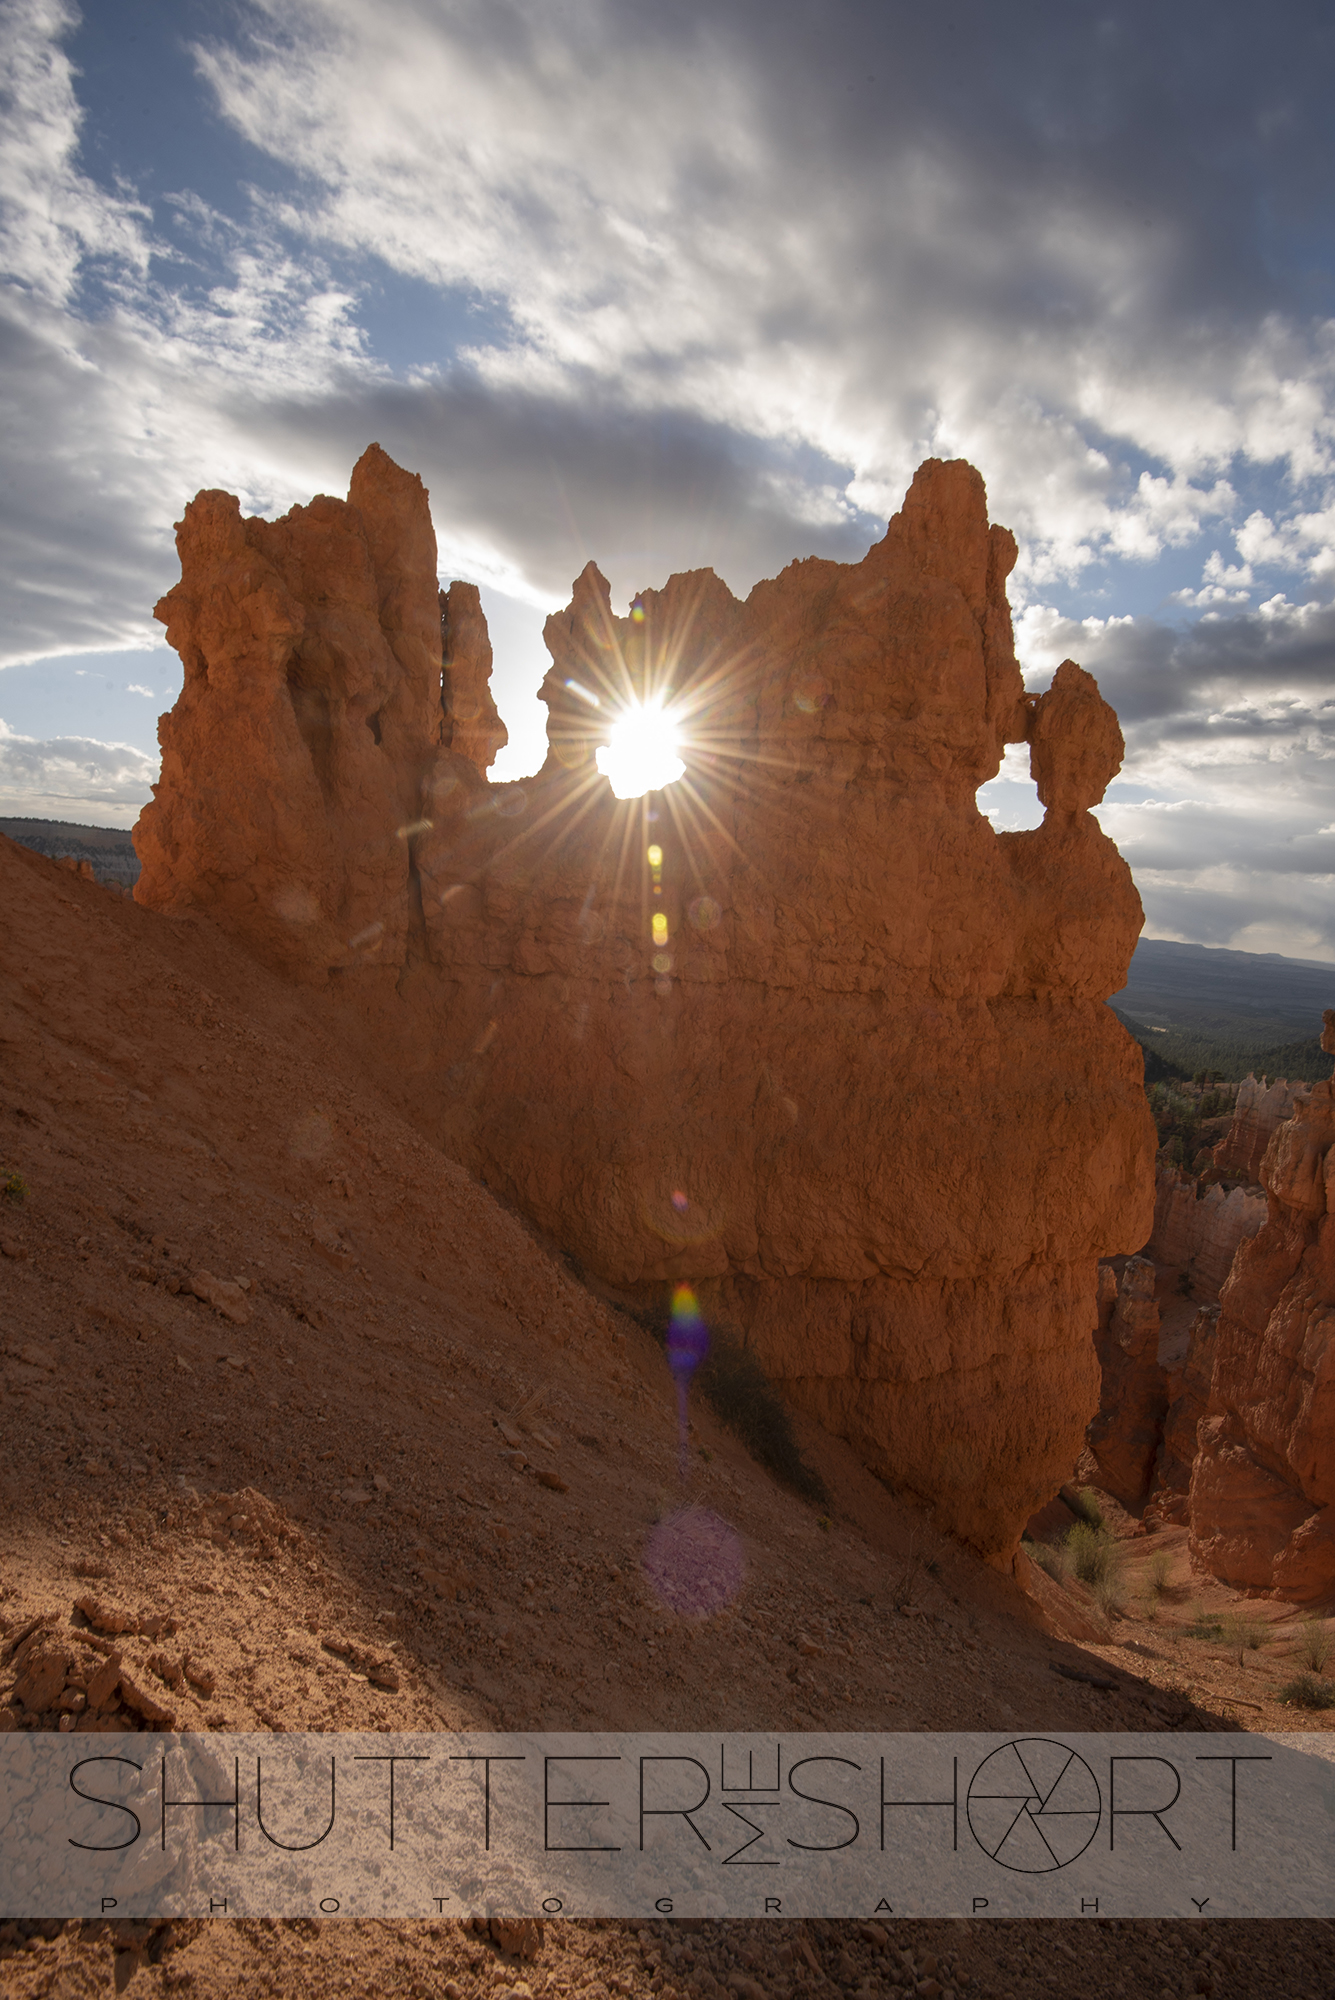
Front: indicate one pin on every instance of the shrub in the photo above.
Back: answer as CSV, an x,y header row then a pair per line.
x,y
1160,1564
1094,1553
1307,1691
1108,1593
1086,1504
1242,1633
13,1187
1313,1647
1204,1625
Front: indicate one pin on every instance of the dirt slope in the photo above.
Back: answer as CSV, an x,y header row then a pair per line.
x,y
396,1467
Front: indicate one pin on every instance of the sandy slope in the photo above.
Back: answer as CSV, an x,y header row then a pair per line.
x,y
443,1457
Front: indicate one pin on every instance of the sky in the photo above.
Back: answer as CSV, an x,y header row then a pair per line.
x,y
668,283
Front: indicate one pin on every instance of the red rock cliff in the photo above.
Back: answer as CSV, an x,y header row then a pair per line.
x,y
1263,1482
801,1028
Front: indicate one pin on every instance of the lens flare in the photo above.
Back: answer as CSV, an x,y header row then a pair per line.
x,y
694,1562
660,928
641,755
688,1336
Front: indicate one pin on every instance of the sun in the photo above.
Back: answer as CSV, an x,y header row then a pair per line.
x,y
642,754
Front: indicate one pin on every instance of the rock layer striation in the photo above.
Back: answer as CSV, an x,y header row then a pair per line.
x,y
802,1029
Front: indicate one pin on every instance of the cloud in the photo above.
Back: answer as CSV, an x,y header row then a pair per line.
x,y
871,242
717,280
53,218
73,777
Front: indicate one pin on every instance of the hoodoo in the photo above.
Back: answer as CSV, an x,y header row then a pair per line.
x,y
800,1028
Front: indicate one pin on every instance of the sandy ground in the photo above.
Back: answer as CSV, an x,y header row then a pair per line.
x,y
303,1431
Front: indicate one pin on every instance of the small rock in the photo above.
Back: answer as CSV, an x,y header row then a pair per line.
x,y
384,1677
11,1247
520,1935
448,1583
552,1480
874,1934
928,1989
221,1293
201,1678
143,1703
357,1496
104,1683
380,1483
808,1647
104,1617
334,1252
509,1433
45,1665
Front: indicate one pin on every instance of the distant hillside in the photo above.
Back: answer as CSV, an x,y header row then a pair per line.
x,y
108,848
1194,1007
1169,1055
1226,995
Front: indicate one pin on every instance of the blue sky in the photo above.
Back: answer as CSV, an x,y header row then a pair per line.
x,y
669,284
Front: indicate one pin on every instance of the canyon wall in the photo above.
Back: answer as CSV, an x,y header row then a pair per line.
x,y
1199,1228
1264,1476
1126,1432
801,1028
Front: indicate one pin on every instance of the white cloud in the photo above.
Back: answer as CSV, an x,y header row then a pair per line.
x,y
74,778
661,205
52,217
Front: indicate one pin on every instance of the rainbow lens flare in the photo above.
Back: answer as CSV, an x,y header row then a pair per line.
x,y
688,1336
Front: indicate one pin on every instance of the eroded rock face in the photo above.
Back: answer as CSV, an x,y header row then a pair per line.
x,y
1126,1433
801,1029
1264,1477
1189,1396
294,759
1258,1111
1199,1227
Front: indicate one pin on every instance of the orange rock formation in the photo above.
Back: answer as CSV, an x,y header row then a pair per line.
x,y
1258,1110
1126,1434
1264,1477
802,1029
1198,1227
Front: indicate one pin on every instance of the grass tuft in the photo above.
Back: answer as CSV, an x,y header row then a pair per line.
x,y
1308,1691
1242,1633
1094,1554
1313,1646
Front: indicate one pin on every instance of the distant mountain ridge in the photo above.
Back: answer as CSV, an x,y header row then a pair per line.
x,y
1196,1007
108,849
